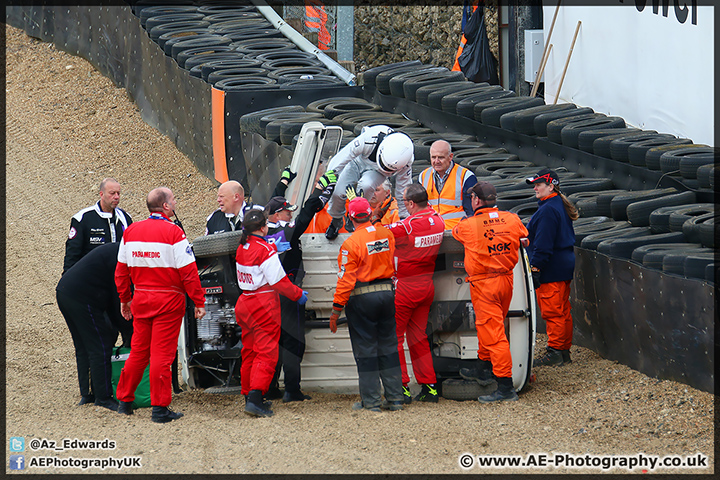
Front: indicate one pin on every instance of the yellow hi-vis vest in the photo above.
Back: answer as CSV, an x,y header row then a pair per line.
x,y
448,202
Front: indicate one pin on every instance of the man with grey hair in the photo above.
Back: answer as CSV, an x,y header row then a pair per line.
x,y
97,225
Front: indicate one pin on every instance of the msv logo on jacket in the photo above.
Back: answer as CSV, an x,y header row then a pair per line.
x,y
378,246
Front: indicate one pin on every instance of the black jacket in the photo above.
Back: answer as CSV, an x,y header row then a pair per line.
x,y
218,222
90,228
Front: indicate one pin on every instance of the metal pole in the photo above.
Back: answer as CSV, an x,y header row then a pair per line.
x,y
345,32
303,43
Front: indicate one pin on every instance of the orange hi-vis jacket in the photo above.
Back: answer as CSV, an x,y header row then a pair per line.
x,y
447,202
316,21
463,41
321,221
492,240
365,256
389,210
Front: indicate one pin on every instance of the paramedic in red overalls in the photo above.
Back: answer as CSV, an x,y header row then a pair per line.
x,y
417,242
157,258
260,277
491,239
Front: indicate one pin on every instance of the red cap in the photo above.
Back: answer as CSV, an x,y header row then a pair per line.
x,y
359,207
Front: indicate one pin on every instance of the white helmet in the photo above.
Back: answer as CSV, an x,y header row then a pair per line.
x,y
395,152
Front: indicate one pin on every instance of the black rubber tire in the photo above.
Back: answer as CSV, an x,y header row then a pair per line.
x,y
638,213
513,198
382,82
521,121
217,244
438,90
680,216
619,147
394,123
217,65
369,76
593,225
476,163
332,110
655,258
488,168
587,207
621,230
212,57
636,151
541,121
574,185
279,55
447,102
157,20
258,46
153,11
623,247
711,272
660,218
176,31
349,120
239,84
422,143
675,262
222,390
411,86
279,72
691,161
292,62
461,155
701,229
273,121
619,203
652,156
289,129
516,172
186,55
461,390
466,107
505,184
168,39
250,122
317,81
397,82
601,146
695,265
524,210
642,252
587,137
570,133
237,72
704,173
318,106
554,129
209,41
479,107
240,35
491,116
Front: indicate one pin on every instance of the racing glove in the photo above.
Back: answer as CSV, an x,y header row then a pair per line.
x,y
328,178
327,193
350,193
303,298
535,276
288,175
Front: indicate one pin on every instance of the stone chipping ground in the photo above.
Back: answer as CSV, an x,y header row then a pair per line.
x,y
67,127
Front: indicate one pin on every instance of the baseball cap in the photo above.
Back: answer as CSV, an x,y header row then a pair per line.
x,y
484,191
359,207
278,204
545,175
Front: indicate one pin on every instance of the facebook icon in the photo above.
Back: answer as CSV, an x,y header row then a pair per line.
x,y
17,462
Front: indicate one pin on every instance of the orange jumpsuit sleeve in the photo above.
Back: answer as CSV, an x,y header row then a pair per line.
x,y
348,264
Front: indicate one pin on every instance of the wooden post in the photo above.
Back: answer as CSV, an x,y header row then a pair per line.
x,y
567,62
546,52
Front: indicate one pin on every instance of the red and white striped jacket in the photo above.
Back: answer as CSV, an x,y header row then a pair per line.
x,y
417,242
157,258
259,269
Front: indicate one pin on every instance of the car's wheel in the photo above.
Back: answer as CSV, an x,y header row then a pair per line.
x,y
217,244
461,389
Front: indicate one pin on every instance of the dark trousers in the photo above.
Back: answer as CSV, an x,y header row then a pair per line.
x,y
371,321
292,342
93,337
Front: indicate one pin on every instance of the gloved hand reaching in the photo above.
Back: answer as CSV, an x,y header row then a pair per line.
x,y
350,193
328,178
288,175
303,298
535,276
333,320
282,246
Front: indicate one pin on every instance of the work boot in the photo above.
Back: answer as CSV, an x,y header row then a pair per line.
x,y
566,356
407,395
393,405
255,407
349,226
428,393
164,415
125,408
109,403
294,396
86,399
266,403
333,229
359,406
504,392
551,357
481,373
273,393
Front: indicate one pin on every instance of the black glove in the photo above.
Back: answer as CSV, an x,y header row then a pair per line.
x,y
535,276
327,193
288,175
